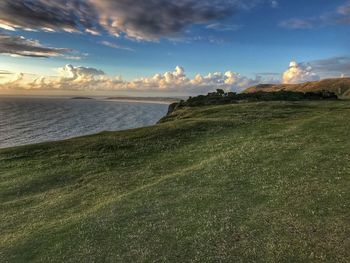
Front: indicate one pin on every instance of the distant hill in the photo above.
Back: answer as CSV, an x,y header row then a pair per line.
x,y
146,99
340,86
82,98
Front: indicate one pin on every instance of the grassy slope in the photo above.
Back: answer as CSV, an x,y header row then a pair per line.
x,y
236,183
340,86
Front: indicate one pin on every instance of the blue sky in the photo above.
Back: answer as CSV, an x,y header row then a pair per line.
x,y
249,40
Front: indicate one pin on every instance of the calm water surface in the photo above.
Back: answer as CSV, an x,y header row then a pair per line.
x,y
33,120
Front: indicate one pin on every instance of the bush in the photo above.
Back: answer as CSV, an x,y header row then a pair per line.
x,y
220,97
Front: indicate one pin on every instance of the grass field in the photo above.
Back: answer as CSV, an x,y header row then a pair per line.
x,y
251,182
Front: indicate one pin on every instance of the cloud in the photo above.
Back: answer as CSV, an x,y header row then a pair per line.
x,y
20,46
274,3
47,15
74,57
90,79
296,23
178,81
344,9
15,83
80,78
298,73
223,27
71,72
115,46
332,67
316,69
5,72
152,20
143,20
336,17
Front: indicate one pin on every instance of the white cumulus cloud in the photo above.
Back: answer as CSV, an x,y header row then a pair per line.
x,y
299,73
71,72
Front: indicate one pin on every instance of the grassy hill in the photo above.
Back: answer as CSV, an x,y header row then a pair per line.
x,y
250,182
340,86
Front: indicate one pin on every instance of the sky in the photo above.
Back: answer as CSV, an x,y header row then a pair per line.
x,y
165,47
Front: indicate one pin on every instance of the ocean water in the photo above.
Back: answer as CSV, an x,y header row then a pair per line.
x,y
34,120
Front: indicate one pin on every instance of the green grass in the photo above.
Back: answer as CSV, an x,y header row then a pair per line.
x,y
252,182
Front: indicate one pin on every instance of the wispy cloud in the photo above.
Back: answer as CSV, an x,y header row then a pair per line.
x,y
116,46
20,46
335,17
223,27
344,9
297,23
76,55
274,3
5,72
332,67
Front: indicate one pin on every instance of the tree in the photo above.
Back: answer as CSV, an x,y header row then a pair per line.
x,y
220,92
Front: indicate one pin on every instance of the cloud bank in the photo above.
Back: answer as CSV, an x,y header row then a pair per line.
x,y
78,78
143,20
90,79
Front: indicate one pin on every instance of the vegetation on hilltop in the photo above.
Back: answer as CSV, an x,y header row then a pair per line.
x,y
249,182
339,86
221,97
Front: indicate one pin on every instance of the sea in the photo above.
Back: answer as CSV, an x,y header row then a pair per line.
x,y
26,120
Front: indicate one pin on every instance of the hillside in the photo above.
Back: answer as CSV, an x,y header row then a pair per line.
x,y
340,86
248,182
